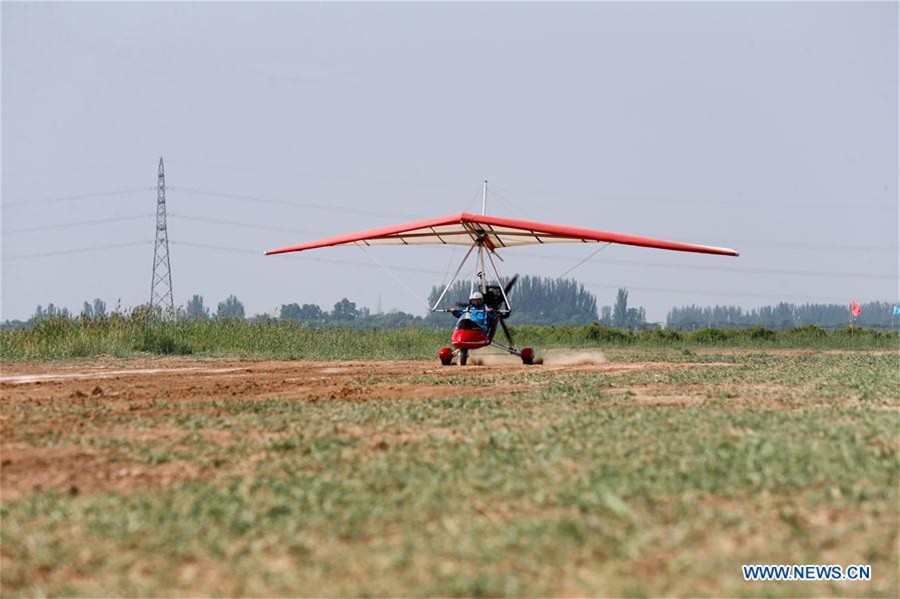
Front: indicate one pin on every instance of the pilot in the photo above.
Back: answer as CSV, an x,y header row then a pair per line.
x,y
477,311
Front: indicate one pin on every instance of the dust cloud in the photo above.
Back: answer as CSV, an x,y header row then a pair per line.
x,y
550,357
573,357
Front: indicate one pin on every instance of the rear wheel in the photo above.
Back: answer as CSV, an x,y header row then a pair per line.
x,y
527,356
463,357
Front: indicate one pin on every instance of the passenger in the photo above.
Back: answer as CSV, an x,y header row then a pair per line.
x,y
477,311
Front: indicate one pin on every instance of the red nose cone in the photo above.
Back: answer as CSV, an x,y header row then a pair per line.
x,y
527,353
469,339
445,353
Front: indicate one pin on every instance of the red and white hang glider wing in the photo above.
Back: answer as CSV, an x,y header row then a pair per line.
x,y
465,229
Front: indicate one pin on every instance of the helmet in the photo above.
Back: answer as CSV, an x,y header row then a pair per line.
x,y
476,295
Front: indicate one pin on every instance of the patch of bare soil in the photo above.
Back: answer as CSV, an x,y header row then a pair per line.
x,y
74,470
127,387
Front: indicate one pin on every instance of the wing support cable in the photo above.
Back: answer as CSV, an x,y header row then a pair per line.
x,y
393,275
594,253
453,278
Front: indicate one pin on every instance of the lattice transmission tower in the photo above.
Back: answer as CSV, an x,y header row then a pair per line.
x,y
161,285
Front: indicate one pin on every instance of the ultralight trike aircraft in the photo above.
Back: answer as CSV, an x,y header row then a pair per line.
x,y
484,235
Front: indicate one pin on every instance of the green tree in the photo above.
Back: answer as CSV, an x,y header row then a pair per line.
x,y
620,308
50,311
310,313
195,310
95,309
99,308
606,315
344,310
230,308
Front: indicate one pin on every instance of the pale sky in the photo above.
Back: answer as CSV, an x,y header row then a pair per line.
x,y
770,128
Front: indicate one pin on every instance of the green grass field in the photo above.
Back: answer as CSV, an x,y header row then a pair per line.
x,y
644,481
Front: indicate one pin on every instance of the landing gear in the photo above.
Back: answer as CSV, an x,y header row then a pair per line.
x,y
446,356
527,355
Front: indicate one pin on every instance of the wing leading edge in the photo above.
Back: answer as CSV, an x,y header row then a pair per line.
x,y
465,228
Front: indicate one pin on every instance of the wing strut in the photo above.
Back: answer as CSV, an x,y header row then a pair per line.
x,y
502,290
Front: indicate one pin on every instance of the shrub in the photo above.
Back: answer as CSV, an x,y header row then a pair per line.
x,y
807,331
604,334
857,332
709,336
156,341
660,336
761,334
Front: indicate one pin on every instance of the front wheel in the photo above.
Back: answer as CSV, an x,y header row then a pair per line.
x,y
446,356
463,357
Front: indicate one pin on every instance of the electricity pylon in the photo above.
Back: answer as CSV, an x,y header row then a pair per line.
x,y
161,284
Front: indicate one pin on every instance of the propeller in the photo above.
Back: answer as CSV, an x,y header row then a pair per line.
x,y
510,284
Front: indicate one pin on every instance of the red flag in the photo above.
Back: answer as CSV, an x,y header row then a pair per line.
x,y
855,310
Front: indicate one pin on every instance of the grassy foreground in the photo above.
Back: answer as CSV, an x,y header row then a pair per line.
x,y
128,335
657,481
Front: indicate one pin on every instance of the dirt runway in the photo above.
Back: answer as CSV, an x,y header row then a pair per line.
x,y
187,378
78,403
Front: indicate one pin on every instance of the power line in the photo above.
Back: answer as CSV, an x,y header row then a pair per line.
x,y
76,250
777,296
514,252
83,223
555,196
260,254
256,253
510,252
82,196
795,245
586,284
205,219
217,194
234,223
743,270
277,202
818,247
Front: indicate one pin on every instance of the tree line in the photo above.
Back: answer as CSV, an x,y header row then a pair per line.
x,y
536,300
780,316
